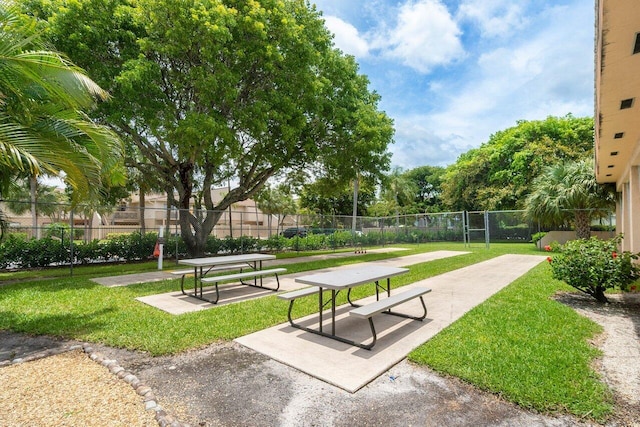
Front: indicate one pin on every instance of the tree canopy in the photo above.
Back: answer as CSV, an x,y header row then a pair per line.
x,y
427,181
327,197
216,90
498,175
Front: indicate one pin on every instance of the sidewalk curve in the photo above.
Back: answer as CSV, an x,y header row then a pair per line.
x,y
351,368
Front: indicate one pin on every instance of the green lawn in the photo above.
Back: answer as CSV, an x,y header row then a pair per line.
x,y
519,344
526,347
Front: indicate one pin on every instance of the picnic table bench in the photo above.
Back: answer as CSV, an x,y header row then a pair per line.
x,y
347,279
253,273
203,266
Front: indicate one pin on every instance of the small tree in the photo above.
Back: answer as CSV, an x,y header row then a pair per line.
x,y
278,200
592,266
569,192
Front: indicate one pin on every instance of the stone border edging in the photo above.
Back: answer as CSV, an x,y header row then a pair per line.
x,y
150,402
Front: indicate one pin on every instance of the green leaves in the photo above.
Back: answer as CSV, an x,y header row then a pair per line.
x,y
498,175
569,191
43,128
212,90
593,266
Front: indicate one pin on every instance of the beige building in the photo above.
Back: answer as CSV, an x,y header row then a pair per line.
x,y
243,218
617,110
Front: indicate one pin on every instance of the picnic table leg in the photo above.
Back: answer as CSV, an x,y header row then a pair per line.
x,y
195,281
333,312
320,306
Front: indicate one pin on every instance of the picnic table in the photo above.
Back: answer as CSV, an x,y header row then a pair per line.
x,y
203,267
347,279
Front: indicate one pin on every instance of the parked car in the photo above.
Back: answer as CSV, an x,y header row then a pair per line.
x,y
294,231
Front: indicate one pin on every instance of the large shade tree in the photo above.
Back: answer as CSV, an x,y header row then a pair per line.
x,y
215,90
43,126
498,175
568,193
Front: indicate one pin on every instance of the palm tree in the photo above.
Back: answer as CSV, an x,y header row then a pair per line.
x,y
43,128
569,192
398,191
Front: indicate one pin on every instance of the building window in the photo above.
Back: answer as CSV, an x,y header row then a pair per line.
x,y
626,103
636,46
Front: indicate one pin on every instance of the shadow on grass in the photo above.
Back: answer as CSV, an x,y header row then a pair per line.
x,y
67,325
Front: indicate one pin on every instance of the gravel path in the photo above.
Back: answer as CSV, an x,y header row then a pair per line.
x,y
49,382
68,389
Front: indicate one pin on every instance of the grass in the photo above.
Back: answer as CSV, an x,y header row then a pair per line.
x,y
519,344
526,347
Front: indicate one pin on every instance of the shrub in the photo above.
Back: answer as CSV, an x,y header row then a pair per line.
x,y
536,237
593,266
62,231
88,252
43,252
213,246
275,243
12,251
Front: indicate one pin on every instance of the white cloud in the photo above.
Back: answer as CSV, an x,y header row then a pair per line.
x,y
421,141
425,36
347,38
532,60
495,18
550,73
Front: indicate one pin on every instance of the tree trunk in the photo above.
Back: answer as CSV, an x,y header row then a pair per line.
x,y
195,233
582,221
599,294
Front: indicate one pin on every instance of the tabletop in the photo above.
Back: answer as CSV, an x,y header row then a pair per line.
x,y
228,259
347,278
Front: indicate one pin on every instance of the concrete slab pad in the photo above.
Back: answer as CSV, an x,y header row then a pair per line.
x,y
351,368
177,303
132,279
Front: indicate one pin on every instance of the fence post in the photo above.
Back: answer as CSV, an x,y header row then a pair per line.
x,y
160,246
71,244
487,237
465,228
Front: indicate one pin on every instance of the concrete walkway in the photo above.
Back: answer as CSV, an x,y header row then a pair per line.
x,y
177,303
351,368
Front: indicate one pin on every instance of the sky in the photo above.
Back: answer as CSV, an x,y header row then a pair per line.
x,y
453,72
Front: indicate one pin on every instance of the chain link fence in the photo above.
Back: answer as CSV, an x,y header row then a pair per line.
x,y
87,224
243,229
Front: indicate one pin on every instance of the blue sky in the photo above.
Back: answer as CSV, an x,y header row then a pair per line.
x,y
453,72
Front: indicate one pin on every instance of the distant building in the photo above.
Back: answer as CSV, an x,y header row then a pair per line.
x,y
242,218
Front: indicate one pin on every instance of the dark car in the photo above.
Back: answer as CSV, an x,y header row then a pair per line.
x,y
294,231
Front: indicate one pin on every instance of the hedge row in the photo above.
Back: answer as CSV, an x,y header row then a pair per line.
x,y
19,252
